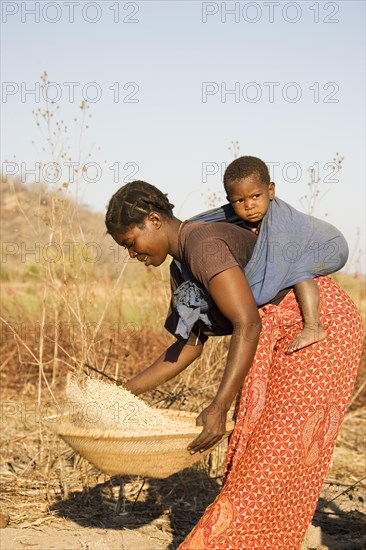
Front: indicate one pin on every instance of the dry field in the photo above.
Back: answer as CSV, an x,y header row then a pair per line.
x,y
60,315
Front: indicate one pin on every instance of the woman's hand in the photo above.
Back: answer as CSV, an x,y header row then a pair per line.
x,y
213,420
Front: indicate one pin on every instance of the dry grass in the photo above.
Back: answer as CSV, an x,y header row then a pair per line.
x,y
42,479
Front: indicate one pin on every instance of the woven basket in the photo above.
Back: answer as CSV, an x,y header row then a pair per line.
x,y
152,454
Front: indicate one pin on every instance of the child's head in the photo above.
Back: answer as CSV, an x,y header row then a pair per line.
x,y
136,219
249,188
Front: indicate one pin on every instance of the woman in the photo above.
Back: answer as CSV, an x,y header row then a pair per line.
x,y
291,406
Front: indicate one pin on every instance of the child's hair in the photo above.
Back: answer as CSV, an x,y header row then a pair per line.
x,y
243,167
130,205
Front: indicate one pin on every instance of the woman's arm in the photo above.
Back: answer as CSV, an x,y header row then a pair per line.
x,y
233,296
170,363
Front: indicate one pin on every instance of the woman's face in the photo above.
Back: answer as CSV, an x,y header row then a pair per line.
x,y
148,243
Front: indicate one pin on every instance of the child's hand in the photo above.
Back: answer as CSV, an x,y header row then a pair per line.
x,y
213,420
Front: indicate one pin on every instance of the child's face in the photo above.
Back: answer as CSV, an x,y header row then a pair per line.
x,y
250,197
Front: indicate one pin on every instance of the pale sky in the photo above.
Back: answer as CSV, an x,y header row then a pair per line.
x,y
172,84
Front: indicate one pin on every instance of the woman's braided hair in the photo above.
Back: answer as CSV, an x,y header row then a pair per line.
x,y
130,205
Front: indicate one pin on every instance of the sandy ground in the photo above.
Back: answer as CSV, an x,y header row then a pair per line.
x,y
66,535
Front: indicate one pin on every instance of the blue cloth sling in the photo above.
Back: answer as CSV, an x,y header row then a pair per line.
x,y
291,247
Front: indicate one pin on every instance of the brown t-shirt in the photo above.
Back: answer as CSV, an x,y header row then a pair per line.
x,y
208,248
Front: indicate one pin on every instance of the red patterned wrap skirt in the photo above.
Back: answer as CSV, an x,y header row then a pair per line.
x,y
288,418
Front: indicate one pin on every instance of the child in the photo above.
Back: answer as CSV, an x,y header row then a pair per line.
x,y
250,192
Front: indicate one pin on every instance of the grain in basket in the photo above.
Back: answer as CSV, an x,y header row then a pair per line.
x,y
102,405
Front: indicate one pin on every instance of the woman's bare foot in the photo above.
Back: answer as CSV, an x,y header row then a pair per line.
x,y
310,334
